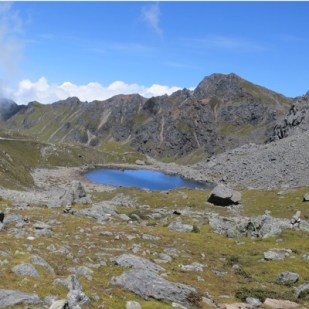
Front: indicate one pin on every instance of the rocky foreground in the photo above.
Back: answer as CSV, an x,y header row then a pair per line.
x,y
72,244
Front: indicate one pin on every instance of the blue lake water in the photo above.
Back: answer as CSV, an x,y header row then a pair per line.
x,y
143,179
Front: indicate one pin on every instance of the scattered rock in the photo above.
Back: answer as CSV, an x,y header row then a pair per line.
x,y
277,254
180,227
306,256
280,304
302,290
306,197
255,302
193,267
237,306
136,262
77,298
13,298
295,220
71,283
42,229
37,260
150,285
287,277
150,237
25,269
60,304
76,194
224,196
133,305
83,271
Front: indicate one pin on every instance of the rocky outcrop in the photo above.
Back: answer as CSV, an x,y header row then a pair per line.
x,y
295,122
255,227
221,195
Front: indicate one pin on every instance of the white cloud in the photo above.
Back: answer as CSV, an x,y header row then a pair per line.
x,y
44,92
151,15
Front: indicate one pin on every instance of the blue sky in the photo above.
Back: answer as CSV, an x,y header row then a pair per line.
x,y
55,49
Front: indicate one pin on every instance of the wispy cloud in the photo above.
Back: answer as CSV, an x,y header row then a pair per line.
x,y
180,65
151,15
44,92
11,44
226,43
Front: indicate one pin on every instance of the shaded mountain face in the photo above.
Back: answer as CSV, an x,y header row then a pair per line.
x,y
223,112
8,108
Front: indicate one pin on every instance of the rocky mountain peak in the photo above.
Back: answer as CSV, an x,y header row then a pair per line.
x,y
7,108
219,85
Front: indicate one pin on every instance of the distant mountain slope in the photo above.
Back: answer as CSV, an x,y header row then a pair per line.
x,y
223,112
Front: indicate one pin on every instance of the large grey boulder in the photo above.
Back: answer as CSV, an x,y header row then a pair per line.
x,y
13,298
136,262
149,285
180,227
25,269
287,277
224,196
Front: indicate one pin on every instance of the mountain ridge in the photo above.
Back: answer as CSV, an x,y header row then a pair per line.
x,y
221,113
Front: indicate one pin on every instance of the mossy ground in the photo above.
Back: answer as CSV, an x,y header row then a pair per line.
x,y
83,238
